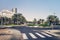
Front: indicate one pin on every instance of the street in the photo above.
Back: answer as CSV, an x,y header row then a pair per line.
x,y
28,33
31,33
29,19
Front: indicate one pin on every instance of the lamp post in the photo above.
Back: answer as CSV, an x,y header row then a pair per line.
x,y
53,22
17,18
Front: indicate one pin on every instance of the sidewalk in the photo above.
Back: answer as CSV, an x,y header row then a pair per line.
x,y
10,34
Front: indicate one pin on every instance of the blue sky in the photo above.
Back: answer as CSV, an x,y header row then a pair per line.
x,y
31,9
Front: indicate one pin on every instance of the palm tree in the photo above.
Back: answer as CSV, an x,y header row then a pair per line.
x,y
40,21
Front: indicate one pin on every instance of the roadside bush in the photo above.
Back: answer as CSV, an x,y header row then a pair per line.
x,y
31,24
44,25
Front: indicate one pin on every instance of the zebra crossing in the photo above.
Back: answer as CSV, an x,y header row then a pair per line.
x,y
46,34
33,35
24,36
40,35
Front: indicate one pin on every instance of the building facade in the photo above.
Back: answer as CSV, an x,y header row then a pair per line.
x,y
8,13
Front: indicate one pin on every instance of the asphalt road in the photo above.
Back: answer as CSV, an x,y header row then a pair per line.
x,y
30,33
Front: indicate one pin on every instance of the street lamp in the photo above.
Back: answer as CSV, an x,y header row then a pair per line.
x,y
17,18
53,22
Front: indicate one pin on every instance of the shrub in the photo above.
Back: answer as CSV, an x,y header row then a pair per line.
x,y
31,24
44,25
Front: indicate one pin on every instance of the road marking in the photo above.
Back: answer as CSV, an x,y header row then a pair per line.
x,y
32,35
51,33
46,34
40,35
24,36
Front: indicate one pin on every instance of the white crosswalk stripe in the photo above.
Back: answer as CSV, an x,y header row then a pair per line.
x,y
32,35
46,34
52,33
40,35
24,36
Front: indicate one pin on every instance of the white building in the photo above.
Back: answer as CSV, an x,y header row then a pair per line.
x,y
7,13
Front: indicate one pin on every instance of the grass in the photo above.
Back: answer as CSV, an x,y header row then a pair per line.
x,y
31,25
11,25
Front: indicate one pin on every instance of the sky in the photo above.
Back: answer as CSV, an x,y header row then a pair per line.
x,y
39,9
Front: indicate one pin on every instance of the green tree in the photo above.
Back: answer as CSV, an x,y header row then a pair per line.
x,y
4,20
18,18
40,21
34,21
52,19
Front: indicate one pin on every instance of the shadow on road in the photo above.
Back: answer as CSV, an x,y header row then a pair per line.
x,y
26,30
